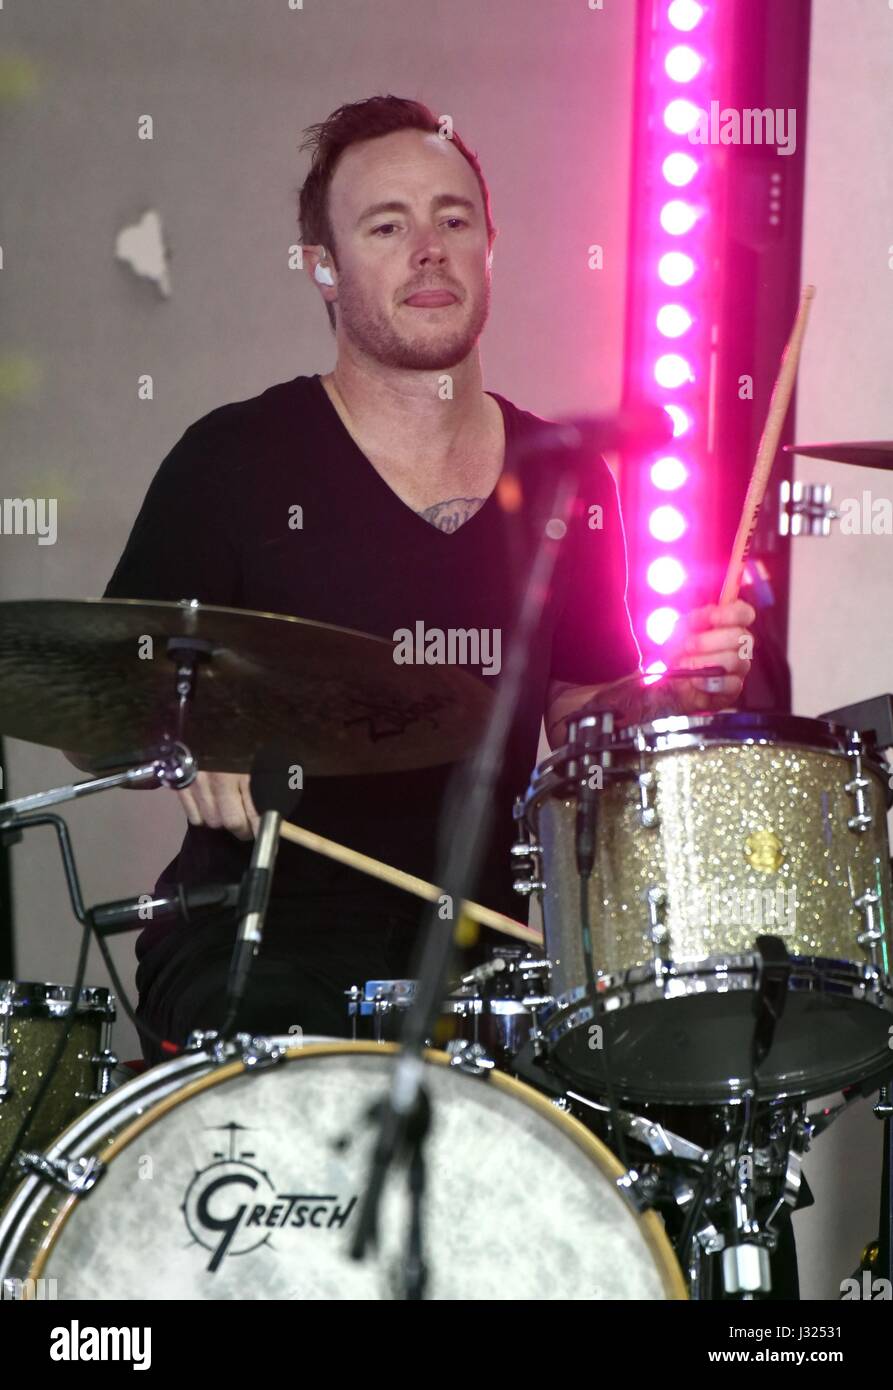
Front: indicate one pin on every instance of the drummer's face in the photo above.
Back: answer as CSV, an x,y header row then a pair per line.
x,y
430,234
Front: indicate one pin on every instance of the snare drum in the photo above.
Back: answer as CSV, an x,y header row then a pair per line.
x,y
32,1017
711,832
498,1015
230,1181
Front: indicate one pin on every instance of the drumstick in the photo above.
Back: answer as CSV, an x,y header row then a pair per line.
x,y
487,917
759,478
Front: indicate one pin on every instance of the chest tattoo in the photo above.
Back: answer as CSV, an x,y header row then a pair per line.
x,y
450,515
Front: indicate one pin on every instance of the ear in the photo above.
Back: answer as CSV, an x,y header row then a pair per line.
x,y
315,257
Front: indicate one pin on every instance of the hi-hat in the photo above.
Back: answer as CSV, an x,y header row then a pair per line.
x,y
94,677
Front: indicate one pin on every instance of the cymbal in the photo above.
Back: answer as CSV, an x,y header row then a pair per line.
x,y
867,454
93,677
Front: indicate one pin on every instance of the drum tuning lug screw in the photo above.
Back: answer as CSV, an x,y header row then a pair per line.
x,y
633,1187
647,809
469,1057
857,788
262,1052
77,1176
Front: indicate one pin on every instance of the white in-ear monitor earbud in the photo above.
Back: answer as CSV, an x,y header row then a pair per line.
x,y
323,276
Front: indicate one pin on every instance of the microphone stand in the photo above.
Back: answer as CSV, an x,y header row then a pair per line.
x,y
402,1117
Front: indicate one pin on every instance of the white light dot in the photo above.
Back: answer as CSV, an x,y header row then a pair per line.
x,y
672,371
666,574
677,217
680,418
669,473
683,63
685,14
660,623
681,116
666,523
556,530
673,320
675,268
679,169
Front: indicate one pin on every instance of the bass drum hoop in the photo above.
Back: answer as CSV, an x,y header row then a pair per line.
x,y
610,1167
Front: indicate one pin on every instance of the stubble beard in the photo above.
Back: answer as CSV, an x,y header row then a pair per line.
x,y
375,334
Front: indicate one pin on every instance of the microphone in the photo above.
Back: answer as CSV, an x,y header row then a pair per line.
x,y
275,799
128,914
639,426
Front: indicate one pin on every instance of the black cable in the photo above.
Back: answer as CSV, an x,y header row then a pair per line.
x,y
145,1030
89,927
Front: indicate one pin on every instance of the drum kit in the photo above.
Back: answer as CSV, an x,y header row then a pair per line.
x,y
624,1096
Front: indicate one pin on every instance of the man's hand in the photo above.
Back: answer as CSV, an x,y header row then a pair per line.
x,y
221,801
711,636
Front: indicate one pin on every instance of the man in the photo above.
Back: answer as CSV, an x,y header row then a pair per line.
x,y
397,459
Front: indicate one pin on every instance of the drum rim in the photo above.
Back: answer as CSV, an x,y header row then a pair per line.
x,y
649,1223
785,727
683,734
92,999
573,1010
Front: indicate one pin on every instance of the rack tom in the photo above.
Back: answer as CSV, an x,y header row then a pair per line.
x,y
711,832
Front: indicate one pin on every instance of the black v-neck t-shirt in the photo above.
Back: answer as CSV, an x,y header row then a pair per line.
x,y
215,526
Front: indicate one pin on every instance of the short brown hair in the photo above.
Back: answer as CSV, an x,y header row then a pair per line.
x,y
348,125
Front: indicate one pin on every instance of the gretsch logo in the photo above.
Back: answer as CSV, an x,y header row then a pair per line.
x,y
233,1206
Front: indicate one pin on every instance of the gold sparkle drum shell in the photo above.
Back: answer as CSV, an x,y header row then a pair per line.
x,y
244,1183
33,1017
711,832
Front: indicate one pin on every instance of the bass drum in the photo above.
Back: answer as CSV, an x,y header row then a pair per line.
x,y
245,1183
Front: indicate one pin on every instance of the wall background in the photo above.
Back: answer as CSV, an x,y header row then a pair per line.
x,y
543,93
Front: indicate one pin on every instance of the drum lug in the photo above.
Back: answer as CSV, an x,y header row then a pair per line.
x,y
526,886
469,1057
257,1052
874,931
637,1190
76,1176
857,788
7,1052
656,900
526,855
105,1061
647,808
